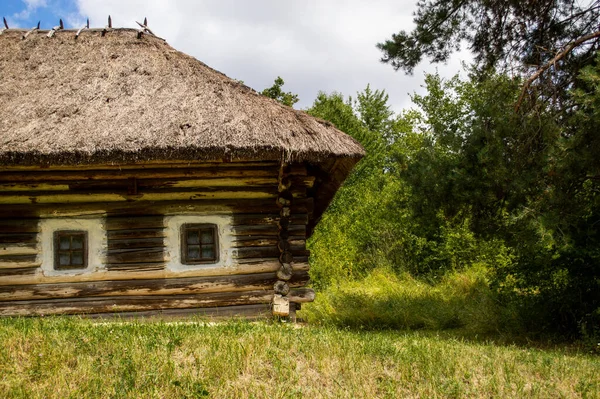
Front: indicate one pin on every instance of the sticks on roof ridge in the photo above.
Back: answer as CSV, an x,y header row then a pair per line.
x,y
32,29
107,27
86,26
5,26
56,28
144,27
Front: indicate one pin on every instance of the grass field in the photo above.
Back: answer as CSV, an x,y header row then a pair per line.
x,y
74,358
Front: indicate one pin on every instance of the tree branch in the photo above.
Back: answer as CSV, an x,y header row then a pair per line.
x,y
553,61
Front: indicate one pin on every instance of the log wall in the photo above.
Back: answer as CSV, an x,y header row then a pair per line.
x,y
133,202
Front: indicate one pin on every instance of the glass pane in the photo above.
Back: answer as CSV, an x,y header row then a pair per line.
x,y
208,252
193,252
192,237
77,242
77,258
64,259
65,242
207,236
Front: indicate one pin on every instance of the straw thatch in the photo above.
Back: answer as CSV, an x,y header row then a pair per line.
x,y
119,98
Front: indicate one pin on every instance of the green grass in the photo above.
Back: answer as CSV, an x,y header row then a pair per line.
x,y
74,358
460,300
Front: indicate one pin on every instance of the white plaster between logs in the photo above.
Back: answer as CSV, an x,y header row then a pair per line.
x,y
97,244
173,240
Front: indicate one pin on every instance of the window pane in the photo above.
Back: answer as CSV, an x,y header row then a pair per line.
x,y
193,252
193,237
77,258
65,242
207,236
77,242
64,259
208,252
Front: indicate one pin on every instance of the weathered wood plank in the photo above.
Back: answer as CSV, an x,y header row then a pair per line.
x,y
135,234
301,295
132,303
18,225
175,286
136,267
254,230
18,249
265,252
151,165
25,276
158,173
18,258
131,223
270,219
8,275
15,238
152,208
71,198
144,255
19,265
134,243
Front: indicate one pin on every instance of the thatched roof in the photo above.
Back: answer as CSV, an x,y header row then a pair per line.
x,y
119,98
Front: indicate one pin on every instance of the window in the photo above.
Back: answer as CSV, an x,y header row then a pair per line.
x,y
199,244
70,250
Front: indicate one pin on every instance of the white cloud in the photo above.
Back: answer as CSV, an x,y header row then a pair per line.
x,y
31,6
314,45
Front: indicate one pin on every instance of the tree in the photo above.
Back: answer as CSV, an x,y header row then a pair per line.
x,y
275,92
549,40
527,180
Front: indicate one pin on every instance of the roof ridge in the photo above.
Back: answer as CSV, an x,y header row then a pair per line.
x,y
144,29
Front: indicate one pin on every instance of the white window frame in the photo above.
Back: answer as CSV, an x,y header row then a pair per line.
x,y
173,242
96,241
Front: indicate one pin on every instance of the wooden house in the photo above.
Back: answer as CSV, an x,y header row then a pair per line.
x,y
134,179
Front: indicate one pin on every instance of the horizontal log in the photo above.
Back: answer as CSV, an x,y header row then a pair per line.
x,y
19,226
18,258
135,243
142,184
151,208
25,276
151,164
131,303
301,295
18,265
18,249
14,238
174,286
136,267
250,230
264,252
269,219
123,174
144,255
131,223
134,234
71,198
26,273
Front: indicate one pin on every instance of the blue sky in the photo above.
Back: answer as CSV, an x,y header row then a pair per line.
x,y
26,14
314,45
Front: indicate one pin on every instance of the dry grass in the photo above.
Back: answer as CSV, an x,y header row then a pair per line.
x,y
61,358
116,98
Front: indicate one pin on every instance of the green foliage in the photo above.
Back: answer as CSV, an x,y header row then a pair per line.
x,y
515,36
523,179
276,93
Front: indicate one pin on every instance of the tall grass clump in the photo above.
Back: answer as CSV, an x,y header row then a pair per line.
x,y
387,300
